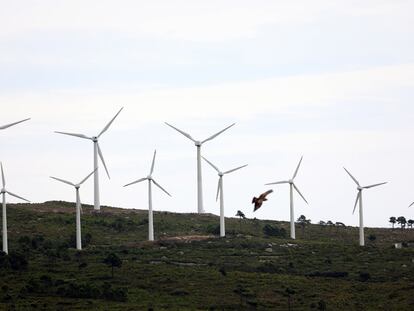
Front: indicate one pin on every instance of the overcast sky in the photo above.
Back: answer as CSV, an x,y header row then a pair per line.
x,y
330,80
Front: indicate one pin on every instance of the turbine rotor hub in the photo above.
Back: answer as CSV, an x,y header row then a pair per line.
x,y
197,143
95,139
290,181
360,188
220,174
149,177
3,190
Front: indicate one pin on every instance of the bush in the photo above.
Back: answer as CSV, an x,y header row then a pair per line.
x,y
16,261
268,267
213,229
269,230
364,276
328,274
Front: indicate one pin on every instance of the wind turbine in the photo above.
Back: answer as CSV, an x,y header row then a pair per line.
x,y
96,151
4,216
359,199
78,207
11,124
220,191
292,185
150,181
198,144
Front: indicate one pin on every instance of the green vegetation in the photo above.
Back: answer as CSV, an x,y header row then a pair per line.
x,y
189,268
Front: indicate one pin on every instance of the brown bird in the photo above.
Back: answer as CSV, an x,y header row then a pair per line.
x,y
259,201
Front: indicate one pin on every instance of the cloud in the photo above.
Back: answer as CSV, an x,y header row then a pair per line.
x,y
185,19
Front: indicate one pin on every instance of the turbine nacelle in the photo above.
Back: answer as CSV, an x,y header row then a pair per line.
x,y
221,174
3,190
149,177
198,143
359,188
94,139
290,181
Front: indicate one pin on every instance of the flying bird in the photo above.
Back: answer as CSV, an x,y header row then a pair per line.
x,y
259,201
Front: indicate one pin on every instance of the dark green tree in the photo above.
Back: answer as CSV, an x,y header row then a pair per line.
x,y
393,220
289,292
410,223
112,260
402,221
241,216
303,222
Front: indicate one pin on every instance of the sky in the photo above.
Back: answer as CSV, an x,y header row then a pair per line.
x,y
330,80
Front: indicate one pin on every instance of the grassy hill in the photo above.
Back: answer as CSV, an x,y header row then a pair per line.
x,y
189,268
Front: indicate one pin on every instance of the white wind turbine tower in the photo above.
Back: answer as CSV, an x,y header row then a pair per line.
x,y
11,124
78,208
4,216
96,151
292,186
359,199
198,144
221,192
150,181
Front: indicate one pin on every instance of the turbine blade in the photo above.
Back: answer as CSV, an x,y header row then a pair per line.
x,y
375,185
235,169
2,175
62,180
11,124
411,204
218,188
211,164
153,162
182,132
110,122
102,159
160,187
217,134
16,196
86,178
277,183
353,178
74,134
297,168
296,188
356,202
80,204
136,181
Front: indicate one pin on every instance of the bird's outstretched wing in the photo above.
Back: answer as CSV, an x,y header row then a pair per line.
x,y
265,194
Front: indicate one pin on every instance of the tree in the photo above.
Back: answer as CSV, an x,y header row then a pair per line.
x,y
410,223
112,260
303,222
372,237
402,221
241,216
322,223
289,292
393,220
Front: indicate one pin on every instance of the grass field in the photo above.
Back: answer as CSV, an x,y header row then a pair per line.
x,y
189,268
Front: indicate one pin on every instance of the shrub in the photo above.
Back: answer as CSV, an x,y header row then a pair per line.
x,y
364,276
17,261
329,274
213,229
269,230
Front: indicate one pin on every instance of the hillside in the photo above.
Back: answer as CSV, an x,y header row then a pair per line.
x,y
189,268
